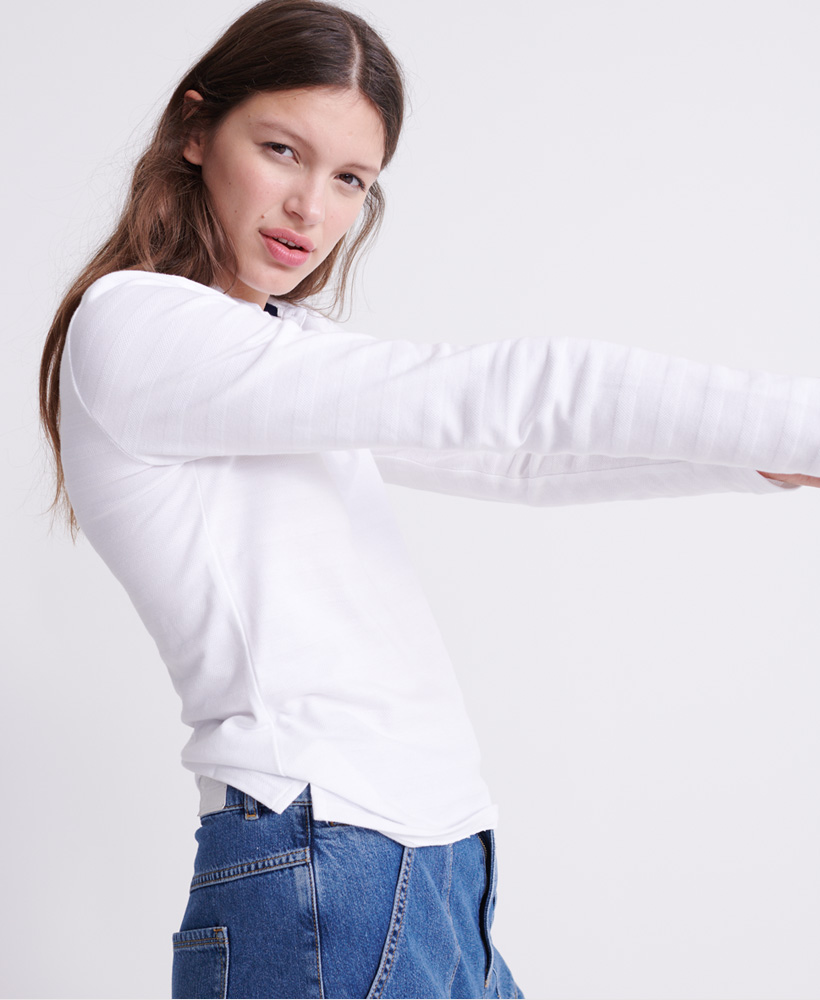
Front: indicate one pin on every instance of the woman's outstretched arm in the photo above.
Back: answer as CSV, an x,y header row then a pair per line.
x,y
559,480
172,371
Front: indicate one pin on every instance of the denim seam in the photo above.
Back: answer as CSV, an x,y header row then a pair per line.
x,y
491,898
455,970
249,868
219,935
450,918
314,902
396,921
198,942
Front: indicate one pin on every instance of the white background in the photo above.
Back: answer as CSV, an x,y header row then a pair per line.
x,y
643,676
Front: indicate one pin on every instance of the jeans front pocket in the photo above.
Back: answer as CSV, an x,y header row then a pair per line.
x,y
200,967
390,949
355,870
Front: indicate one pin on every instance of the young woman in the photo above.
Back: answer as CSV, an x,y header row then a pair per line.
x,y
224,448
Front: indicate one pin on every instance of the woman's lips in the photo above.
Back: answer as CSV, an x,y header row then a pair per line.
x,y
289,256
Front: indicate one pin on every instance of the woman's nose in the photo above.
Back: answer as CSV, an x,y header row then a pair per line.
x,y
307,202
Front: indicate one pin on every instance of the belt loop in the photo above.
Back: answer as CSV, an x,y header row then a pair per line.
x,y
251,807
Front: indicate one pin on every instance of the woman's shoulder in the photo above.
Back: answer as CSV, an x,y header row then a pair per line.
x,y
133,278
126,301
135,283
150,298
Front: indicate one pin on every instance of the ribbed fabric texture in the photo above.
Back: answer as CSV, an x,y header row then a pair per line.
x,y
228,466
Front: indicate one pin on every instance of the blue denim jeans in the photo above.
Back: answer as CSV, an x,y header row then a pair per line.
x,y
284,905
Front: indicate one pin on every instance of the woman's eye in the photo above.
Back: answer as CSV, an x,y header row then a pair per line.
x,y
352,180
281,149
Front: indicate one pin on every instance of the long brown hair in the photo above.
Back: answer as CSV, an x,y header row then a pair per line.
x,y
168,225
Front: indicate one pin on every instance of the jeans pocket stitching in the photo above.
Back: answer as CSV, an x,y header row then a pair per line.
x,y
204,937
391,943
314,908
246,869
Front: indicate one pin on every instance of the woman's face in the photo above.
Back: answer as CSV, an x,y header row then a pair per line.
x,y
288,166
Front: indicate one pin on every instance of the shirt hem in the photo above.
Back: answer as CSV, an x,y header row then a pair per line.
x,y
331,808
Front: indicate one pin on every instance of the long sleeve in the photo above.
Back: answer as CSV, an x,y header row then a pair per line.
x,y
558,480
223,463
174,371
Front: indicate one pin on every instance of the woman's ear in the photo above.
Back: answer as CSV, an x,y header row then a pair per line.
x,y
194,146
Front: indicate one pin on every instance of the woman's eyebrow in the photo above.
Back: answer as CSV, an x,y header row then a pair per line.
x,y
300,139
279,127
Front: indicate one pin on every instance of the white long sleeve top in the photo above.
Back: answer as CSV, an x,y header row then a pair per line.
x,y
229,465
